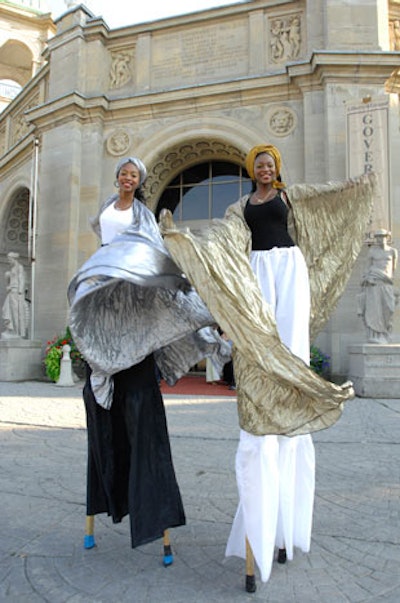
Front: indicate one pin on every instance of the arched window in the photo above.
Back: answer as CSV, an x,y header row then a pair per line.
x,y
15,225
204,191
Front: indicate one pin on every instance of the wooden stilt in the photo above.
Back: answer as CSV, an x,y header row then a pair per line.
x,y
251,586
168,556
89,541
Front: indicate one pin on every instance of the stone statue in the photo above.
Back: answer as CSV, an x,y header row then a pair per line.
x,y
377,301
15,310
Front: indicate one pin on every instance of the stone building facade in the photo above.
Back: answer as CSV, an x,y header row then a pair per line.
x,y
25,30
187,94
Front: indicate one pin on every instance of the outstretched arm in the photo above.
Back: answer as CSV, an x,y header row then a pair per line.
x,y
331,221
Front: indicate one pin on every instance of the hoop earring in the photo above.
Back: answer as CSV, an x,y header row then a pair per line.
x,y
116,183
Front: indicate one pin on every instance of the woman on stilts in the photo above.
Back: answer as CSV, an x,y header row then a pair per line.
x,y
134,317
279,262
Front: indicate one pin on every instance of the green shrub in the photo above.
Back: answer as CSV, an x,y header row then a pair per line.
x,y
319,362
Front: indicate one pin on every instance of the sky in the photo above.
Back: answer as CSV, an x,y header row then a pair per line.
x,y
121,13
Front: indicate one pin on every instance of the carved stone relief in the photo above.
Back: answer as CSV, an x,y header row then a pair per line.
x,y
285,38
118,143
121,70
20,125
281,120
394,34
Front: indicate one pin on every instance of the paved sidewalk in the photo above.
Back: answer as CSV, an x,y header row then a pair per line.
x,y
355,555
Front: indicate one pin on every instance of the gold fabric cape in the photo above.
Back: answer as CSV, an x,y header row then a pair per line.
x,y
277,393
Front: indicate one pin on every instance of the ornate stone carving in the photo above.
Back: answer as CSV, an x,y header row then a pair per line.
x,y
121,71
20,125
285,38
281,120
394,33
118,143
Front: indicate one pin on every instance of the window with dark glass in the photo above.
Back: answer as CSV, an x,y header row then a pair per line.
x,y
204,191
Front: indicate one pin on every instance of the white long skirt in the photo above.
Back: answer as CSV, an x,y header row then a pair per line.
x,y
276,474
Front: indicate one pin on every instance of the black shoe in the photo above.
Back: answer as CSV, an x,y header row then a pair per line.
x,y
251,586
281,556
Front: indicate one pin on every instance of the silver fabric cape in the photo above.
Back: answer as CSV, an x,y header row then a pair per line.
x,y
130,299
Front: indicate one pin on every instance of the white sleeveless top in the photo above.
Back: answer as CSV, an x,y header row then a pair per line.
x,y
113,222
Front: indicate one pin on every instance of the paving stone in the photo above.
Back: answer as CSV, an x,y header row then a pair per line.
x,y
355,544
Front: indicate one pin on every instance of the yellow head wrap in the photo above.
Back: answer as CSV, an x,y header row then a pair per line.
x,y
275,154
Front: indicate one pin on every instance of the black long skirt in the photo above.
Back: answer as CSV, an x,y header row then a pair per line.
x,y
130,469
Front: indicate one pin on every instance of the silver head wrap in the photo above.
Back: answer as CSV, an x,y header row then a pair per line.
x,y
135,161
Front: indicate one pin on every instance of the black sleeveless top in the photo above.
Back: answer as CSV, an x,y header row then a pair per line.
x,y
268,224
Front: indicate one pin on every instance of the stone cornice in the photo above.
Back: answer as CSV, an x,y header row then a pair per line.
x,y
149,106
297,78
96,27
65,37
21,13
323,67
328,67
72,106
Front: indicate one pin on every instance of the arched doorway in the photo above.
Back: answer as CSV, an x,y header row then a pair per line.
x,y
203,191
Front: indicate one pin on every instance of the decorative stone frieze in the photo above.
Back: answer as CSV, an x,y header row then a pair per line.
x,y
285,38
